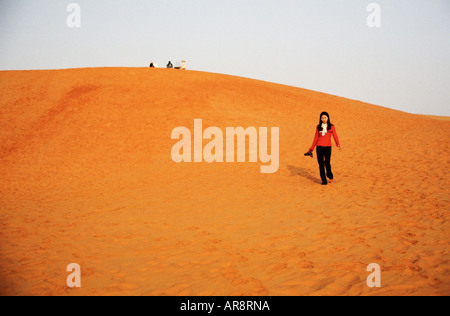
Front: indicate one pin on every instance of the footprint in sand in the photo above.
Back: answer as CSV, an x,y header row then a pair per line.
x,y
279,267
244,286
400,249
305,265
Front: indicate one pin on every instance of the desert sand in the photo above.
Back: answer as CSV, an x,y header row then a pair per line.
x,y
86,177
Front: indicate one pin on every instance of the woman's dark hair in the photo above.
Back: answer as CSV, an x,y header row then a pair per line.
x,y
319,127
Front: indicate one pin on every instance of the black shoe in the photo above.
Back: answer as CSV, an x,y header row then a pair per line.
x,y
309,153
324,183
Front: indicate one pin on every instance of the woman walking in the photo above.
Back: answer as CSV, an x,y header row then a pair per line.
x,y
322,140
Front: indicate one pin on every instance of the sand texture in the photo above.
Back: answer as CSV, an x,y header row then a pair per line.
x,y
86,177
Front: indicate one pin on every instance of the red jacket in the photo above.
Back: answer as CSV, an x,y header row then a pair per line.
x,y
325,141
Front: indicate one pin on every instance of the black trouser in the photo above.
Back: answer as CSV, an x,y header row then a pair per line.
x,y
324,158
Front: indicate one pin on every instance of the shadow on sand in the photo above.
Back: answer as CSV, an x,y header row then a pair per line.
x,y
303,172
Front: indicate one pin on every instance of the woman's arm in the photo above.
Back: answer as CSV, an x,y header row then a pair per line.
x,y
336,138
316,139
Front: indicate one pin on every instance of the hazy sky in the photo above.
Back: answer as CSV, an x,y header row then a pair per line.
x,y
322,45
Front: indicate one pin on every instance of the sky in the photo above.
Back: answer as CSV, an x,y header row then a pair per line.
x,y
402,63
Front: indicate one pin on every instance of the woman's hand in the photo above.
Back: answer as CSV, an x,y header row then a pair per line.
x,y
340,148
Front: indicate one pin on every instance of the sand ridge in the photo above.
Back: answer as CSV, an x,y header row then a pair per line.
x,y
86,176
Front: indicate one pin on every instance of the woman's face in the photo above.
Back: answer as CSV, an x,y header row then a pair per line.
x,y
324,119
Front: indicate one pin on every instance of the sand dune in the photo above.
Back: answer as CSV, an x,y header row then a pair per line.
x,y
86,177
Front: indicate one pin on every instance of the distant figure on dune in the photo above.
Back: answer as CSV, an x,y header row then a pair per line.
x,y
182,66
322,140
169,65
152,65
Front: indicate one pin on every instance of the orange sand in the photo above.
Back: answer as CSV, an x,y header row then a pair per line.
x,y
86,177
